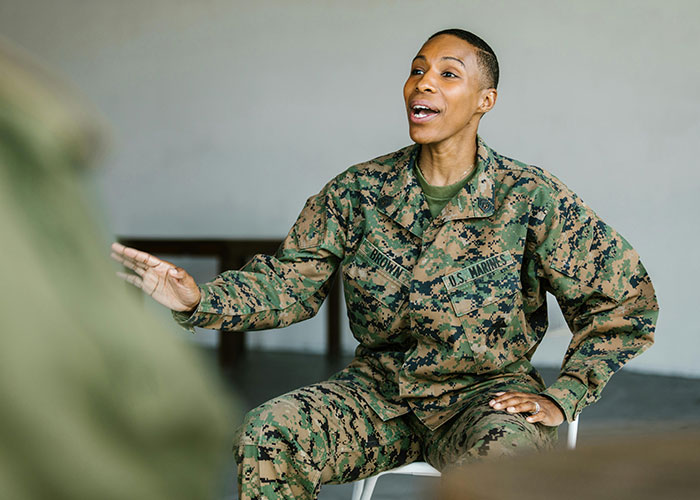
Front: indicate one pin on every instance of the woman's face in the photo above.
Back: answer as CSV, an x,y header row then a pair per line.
x,y
443,94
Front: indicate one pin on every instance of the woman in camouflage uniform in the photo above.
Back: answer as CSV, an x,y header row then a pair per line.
x,y
446,250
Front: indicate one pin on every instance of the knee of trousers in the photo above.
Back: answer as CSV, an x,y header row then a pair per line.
x,y
278,424
512,436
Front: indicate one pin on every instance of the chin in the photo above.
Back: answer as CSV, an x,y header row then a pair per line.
x,y
421,136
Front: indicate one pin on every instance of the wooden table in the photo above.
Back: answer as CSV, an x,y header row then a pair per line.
x,y
233,254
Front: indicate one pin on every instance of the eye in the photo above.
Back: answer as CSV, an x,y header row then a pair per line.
x,y
416,71
449,74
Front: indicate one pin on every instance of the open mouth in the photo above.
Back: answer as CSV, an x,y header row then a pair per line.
x,y
423,111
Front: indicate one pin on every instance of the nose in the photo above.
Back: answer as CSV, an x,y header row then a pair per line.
x,y
425,84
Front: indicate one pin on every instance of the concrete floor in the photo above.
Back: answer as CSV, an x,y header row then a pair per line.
x,y
632,403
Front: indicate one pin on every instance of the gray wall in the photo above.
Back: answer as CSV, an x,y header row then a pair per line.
x,y
227,115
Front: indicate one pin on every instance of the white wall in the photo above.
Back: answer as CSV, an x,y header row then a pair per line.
x,y
228,115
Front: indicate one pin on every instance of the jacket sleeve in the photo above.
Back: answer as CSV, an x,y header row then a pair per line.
x,y
273,291
604,292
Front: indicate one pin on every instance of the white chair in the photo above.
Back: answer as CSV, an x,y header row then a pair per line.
x,y
364,488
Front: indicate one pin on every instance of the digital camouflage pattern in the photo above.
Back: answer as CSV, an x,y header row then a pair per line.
x,y
447,308
327,433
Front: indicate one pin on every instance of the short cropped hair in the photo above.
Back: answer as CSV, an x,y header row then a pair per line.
x,y
486,57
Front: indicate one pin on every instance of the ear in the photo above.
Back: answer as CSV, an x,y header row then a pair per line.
x,y
487,100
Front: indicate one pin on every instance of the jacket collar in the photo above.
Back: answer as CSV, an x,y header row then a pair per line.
x,y
478,198
402,198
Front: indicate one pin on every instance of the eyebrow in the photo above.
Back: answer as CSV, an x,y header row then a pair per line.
x,y
446,57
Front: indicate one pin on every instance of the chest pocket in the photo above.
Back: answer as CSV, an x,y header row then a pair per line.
x,y
375,288
482,283
485,296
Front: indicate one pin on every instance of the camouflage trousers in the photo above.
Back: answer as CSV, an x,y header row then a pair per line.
x,y
327,433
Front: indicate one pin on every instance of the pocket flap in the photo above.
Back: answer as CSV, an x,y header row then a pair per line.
x,y
378,275
482,283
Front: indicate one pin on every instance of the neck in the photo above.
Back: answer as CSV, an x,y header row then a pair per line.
x,y
446,162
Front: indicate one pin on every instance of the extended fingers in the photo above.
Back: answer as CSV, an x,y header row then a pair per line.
x,y
134,255
131,278
138,268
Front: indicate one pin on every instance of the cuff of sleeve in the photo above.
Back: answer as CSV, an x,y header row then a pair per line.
x,y
198,317
569,393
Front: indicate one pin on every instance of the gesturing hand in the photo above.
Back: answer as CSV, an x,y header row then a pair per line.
x,y
170,285
523,402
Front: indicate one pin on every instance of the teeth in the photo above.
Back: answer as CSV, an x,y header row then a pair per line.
x,y
420,111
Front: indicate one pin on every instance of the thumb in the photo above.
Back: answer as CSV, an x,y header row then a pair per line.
x,y
177,272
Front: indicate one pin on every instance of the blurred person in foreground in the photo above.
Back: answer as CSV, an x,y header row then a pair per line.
x,y
447,250
97,398
643,467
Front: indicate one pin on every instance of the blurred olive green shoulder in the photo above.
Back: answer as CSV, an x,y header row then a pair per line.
x,y
92,383
44,111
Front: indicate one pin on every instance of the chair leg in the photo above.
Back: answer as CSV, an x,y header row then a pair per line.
x,y
370,483
572,434
357,489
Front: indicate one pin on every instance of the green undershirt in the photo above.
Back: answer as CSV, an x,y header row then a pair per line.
x,y
438,196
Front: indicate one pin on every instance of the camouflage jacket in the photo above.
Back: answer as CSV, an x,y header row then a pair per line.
x,y
445,307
